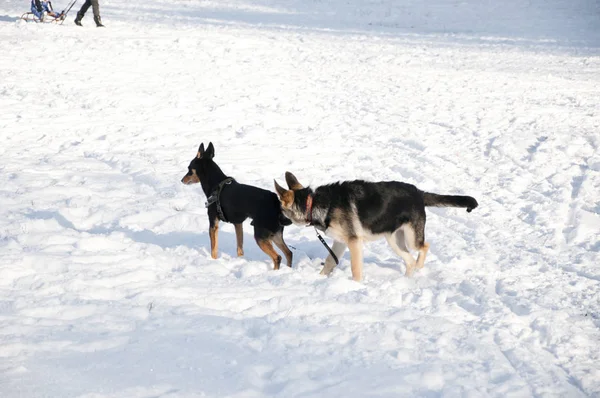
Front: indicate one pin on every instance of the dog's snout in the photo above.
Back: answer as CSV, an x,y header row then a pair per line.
x,y
190,179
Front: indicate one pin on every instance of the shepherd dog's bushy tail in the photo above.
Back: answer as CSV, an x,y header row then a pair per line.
x,y
435,200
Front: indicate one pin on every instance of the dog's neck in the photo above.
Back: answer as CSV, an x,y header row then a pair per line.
x,y
212,179
309,205
316,211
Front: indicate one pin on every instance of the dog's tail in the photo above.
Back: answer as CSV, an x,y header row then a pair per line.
x,y
435,200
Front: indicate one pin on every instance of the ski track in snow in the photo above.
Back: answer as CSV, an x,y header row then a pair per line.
x,y
107,288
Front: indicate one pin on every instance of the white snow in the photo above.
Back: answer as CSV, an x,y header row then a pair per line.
x,y
107,288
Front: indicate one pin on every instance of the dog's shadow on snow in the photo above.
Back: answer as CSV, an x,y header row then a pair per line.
x,y
201,241
169,240
166,241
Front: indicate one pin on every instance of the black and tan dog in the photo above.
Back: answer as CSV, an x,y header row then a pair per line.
x,y
352,212
232,202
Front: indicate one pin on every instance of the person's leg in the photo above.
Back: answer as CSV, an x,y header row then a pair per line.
x,y
96,10
36,8
48,8
82,11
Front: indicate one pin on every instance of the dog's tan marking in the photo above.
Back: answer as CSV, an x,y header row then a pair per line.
x,y
280,243
422,254
239,237
285,196
292,181
191,179
267,247
339,226
213,233
356,258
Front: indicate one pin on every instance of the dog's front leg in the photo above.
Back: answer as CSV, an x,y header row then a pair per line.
x,y
214,237
239,236
356,258
338,248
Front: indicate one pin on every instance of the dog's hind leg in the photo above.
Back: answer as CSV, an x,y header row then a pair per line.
x,y
213,233
239,237
356,258
422,254
415,239
263,239
396,240
338,248
280,243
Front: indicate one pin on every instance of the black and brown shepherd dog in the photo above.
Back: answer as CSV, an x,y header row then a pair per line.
x,y
352,212
232,202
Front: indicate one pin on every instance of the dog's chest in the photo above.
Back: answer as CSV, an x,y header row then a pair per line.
x,y
336,231
343,232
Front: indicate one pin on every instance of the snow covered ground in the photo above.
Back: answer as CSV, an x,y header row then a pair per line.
x,y
107,288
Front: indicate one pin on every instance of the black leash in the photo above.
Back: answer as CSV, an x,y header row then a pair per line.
x,y
214,197
337,262
310,221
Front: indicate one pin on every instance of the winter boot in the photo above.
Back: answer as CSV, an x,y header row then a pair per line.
x,y
78,19
98,21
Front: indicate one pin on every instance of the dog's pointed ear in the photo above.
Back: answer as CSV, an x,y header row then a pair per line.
x,y
286,197
210,151
200,151
279,189
292,181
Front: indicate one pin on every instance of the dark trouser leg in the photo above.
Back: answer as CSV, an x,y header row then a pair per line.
x,y
82,11
96,10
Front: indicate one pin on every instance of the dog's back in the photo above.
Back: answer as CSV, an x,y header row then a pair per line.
x,y
380,207
242,201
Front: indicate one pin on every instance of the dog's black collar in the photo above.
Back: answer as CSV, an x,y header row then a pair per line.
x,y
215,195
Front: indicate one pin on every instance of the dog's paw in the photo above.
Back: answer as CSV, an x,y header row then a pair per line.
x,y
240,252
